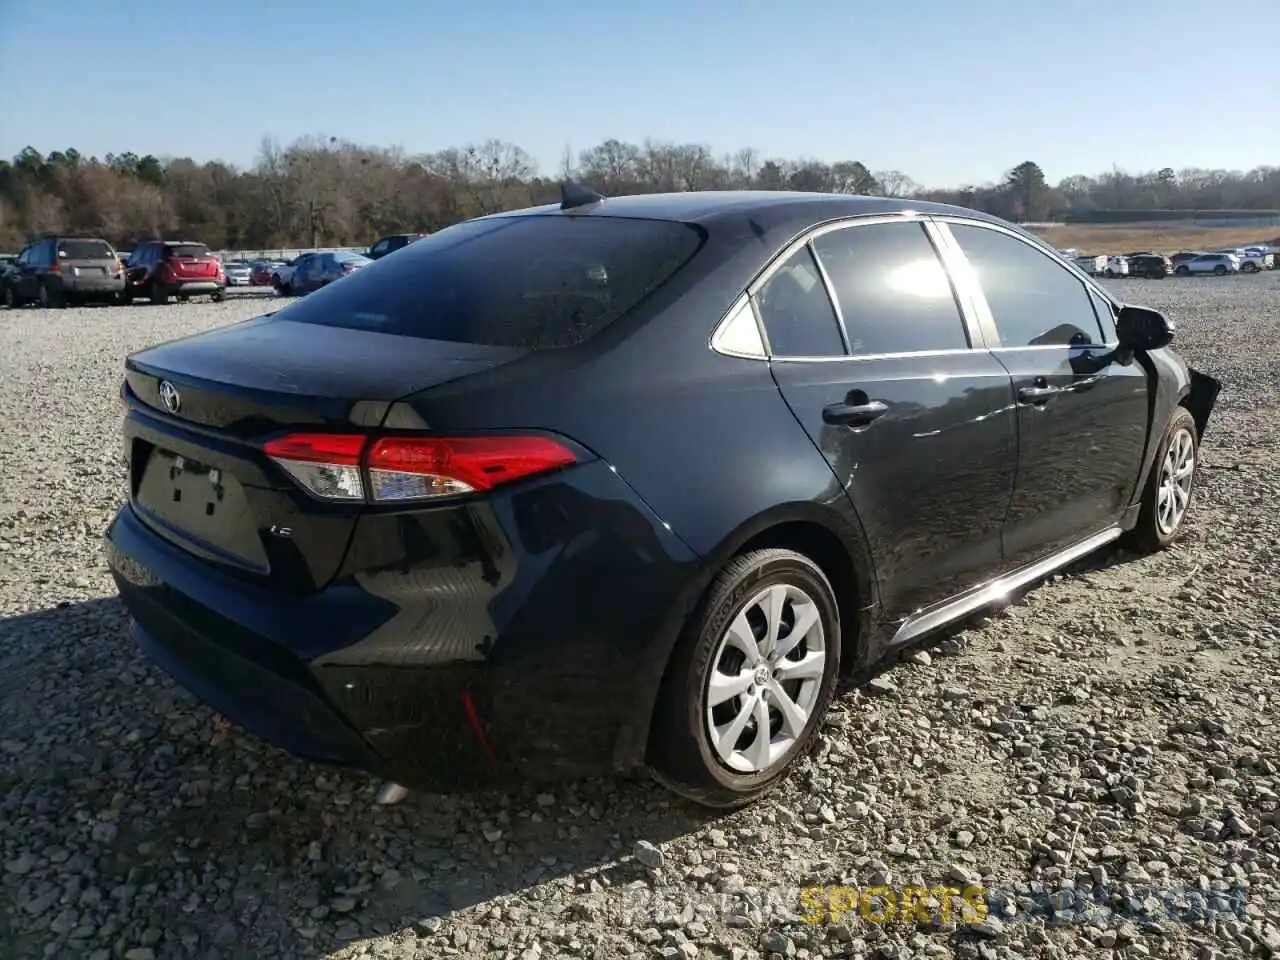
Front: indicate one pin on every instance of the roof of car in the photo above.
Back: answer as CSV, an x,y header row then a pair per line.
x,y
705,205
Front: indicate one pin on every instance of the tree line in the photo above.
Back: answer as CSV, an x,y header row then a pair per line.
x,y
322,191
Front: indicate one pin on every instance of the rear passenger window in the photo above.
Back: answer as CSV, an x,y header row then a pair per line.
x,y
799,319
894,294
1034,299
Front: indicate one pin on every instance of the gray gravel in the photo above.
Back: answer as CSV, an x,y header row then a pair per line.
x,y
1102,754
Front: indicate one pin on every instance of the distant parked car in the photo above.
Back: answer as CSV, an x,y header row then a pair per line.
x,y
392,243
1094,266
316,270
1150,265
260,272
1218,264
160,269
1252,261
60,270
1186,256
1117,266
238,273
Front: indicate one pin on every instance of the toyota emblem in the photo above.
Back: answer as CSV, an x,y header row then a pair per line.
x,y
169,396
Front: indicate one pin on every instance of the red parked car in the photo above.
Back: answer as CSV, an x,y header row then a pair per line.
x,y
160,269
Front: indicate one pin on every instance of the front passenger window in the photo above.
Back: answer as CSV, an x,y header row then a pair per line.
x,y
798,317
1034,299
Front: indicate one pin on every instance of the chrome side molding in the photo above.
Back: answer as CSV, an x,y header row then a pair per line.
x,y
954,609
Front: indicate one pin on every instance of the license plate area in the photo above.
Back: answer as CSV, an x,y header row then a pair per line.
x,y
201,508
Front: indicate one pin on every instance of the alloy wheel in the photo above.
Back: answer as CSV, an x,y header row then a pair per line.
x,y
765,679
1176,474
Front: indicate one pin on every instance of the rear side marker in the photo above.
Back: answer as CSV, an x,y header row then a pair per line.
x,y
334,466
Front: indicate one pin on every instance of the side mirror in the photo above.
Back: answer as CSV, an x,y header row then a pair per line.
x,y
1141,328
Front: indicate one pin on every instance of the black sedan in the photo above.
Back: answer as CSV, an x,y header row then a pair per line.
x,y
629,482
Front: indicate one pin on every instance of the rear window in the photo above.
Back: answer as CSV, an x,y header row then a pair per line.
x,y
533,281
84,250
185,250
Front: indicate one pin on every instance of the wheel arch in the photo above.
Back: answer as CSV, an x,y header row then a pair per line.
x,y
830,537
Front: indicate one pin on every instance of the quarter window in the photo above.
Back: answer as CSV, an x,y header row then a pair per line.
x,y
893,291
1034,300
799,319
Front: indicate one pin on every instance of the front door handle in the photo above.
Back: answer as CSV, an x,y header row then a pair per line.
x,y
854,414
1037,395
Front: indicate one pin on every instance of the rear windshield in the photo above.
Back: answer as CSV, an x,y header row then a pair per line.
x,y
84,250
187,250
530,281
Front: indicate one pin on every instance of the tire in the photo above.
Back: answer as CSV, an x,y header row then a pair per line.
x,y
11,300
1153,531
682,755
217,296
49,299
157,295
1182,270
1219,271
1249,267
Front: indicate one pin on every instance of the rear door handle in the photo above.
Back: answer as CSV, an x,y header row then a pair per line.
x,y
854,414
1037,394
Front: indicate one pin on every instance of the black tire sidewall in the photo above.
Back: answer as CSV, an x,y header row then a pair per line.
x,y
686,760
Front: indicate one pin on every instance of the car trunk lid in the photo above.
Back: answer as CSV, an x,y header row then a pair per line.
x,y
204,406
87,259
191,261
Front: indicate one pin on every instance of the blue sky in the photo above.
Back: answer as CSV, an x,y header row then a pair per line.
x,y
948,92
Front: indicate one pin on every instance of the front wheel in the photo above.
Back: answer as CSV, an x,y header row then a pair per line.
x,y
1183,271
1249,268
750,680
217,296
1219,271
10,298
1167,496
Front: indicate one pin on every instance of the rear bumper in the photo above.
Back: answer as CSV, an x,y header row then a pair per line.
x,y
424,668
93,286
193,288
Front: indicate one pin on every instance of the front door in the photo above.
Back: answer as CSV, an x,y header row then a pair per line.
x,y
1082,415
916,425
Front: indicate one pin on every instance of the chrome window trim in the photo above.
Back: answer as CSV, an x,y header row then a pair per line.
x,y
965,307
987,320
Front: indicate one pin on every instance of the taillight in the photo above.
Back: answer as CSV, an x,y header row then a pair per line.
x,y
406,468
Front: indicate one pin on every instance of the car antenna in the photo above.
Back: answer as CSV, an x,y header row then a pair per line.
x,y
576,195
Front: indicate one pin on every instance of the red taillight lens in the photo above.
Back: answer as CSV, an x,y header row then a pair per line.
x,y
412,468
416,468
326,465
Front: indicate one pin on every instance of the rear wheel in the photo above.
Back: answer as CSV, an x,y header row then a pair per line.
x,y
750,681
217,296
1248,267
157,294
49,297
1183,271
1167,496
1219,271
10,298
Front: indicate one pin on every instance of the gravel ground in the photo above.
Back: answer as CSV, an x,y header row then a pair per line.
x,y
1101,757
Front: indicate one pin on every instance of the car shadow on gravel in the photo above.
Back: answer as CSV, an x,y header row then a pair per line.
x,y
194,835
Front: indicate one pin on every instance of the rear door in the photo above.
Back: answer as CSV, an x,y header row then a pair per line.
x,y
1082,414
881,366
